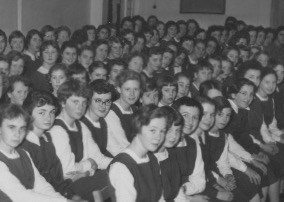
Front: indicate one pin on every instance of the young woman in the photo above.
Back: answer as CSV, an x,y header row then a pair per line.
x,y
16,63
100,50
20,180
78,153
57,75
167,88
68,52
98,108
170,172
32,44
86,56
121,112
97,70
139,171
39,78
17,90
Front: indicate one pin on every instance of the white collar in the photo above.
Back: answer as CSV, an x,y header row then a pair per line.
x,y
261,98
161,156
122,110
96,124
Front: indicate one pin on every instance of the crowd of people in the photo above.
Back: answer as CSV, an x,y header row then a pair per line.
x,y
142,111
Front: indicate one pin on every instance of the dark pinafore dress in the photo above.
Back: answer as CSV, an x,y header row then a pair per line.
x,y
86,185
245,189
99,134
48,164
171,177
126,121
21,168
147,178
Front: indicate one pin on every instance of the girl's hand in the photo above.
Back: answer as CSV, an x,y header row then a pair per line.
x,y
74,175
262,157
223,183
225,195
259,165
199,198
253,176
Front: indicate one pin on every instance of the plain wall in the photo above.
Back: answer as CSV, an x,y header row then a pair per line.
x,y
8,15
37,13
255,12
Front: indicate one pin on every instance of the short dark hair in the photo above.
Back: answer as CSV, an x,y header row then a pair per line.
x,y
189,102
13,111
16,34
100,86
30,35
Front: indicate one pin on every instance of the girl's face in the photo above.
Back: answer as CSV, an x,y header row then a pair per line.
x,y
49,55
233,56
191,28
35,43
115,71
167,59
179,60
188,45
57,77
201,35
260,38
103,34
226,67
268,84
116,50
99,73
263,59
17,67
155,37
62,37
244,55
86,58
208,117
75,107
172,31
224,37
2,44
222,118
161,30
279,69
172,136
183,86
17,44
139,45
69,56
199,50
168,94
130,37
191,118
101,52
211,47
203,75
100,104
19,94
43,117
153,135
129,92
12,133
4,68
136,64
244,97
151,97
254,76
216,67
91,35
49,36
252,36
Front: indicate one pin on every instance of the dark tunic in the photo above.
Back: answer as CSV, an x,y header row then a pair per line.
x,y
48,164
171,177
99,134
75,139
21,168
147,179
125,120
39,81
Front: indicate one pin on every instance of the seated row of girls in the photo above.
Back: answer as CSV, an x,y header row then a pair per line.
x,y
241,95
20,178
75,151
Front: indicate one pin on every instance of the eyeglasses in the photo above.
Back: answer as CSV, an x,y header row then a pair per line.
x,y
106,102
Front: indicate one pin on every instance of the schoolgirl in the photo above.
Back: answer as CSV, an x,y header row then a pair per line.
x,y
150,94
121,112
68,52
42,108
100,50
16,62
17,41
20,180
135,62
188,153
79,155
32,45
170,172
97,70
58,75
39,78
91,32
167,88
226,158
183,81
99,106
139,171
86,56
62,34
